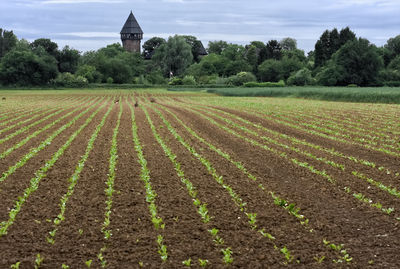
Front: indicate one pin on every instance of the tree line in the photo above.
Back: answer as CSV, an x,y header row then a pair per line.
x,y
340,58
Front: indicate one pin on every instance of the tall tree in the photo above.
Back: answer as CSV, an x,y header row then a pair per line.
x,y
217,47
68,60
7,41
288,43
151,45
274,50
23,67
174,56
356,62
346,35
329,43
196,45
49,46
393,44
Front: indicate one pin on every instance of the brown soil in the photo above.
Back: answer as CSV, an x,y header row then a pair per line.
x,y
370,236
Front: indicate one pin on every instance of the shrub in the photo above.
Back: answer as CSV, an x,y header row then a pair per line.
x,y
110,80
176,81
212,79
141,80
156,78
189,80
241,78
221,81
90,73
392,83
70,80
301,78
281,83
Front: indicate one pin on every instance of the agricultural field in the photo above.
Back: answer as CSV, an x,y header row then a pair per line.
x,y
157,179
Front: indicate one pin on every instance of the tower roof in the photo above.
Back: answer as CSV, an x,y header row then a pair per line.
x,y
131,26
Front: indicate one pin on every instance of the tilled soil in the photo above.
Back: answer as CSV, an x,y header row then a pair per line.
x,y
333,229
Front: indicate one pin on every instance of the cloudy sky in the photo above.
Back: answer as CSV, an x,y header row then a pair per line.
x,y
91,24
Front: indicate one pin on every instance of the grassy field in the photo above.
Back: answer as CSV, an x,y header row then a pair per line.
x,y
343,94
161,179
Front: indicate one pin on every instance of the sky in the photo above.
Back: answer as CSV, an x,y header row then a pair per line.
x,y
91,24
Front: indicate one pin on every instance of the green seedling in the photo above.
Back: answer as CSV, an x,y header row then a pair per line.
x,y
287,254
203,263
227,255
38,261
187,262
15,265
88,263
319,259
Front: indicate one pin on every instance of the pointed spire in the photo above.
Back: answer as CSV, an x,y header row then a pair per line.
x,y
131,26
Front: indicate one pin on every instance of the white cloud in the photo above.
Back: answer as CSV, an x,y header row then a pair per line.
x,y
81,1
92,34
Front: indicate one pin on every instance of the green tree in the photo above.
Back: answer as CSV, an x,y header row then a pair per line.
x,y
357,62
23,67
288,43
252,57
151,45
300,78
89,72
174,56
117,69
49,46
68,60
273,50
270,70
217,47
7,41
329,43
346,35
393,45
395,63
196,45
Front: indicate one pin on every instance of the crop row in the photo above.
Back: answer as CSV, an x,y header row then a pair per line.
x,y
150,193
297,162
238,201
200,206
391,190
26,128
360,137
18,115
73,180
276,200
109,191
41,173
34,151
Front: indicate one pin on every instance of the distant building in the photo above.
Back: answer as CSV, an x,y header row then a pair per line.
x,y
131,34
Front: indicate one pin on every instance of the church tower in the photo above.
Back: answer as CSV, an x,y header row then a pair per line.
x,y
131,34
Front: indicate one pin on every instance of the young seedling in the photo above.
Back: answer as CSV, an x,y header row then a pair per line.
x,y
203,263
64,266
38,261
287,254
227,255
187,262
319,259
15,265
88,263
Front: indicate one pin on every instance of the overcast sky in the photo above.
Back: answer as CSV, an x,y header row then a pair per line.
x,y
91,24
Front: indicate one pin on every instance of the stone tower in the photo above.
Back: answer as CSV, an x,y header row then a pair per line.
x,y
131,34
